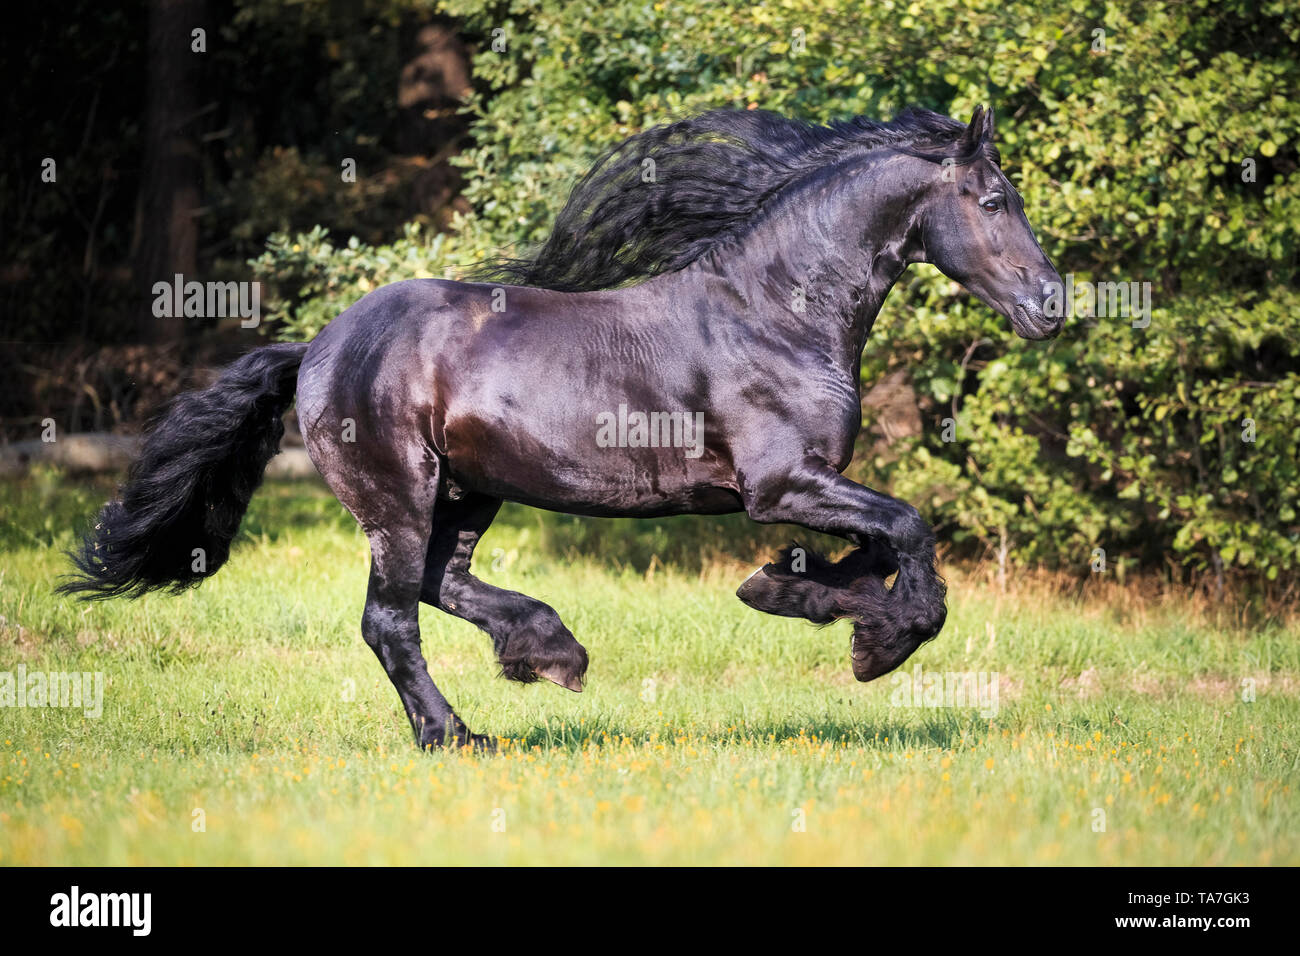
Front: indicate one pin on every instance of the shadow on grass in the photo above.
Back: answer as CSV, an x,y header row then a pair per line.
x,y
941,731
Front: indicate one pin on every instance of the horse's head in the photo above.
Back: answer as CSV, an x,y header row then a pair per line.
x,y
975,231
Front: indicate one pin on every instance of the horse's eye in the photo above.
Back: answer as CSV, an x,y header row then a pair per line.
x,y
989,205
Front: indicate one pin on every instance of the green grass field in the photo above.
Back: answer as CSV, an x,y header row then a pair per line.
x,y
247,723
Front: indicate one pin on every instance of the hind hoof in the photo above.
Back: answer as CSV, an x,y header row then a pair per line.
x,y
553,654
567,678
456,735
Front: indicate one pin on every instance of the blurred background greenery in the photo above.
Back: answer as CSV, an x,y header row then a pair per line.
x,y
1152,142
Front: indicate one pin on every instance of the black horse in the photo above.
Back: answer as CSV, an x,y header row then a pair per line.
x,y
726,379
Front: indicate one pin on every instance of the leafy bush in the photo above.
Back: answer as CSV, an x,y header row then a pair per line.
x,y
1152,141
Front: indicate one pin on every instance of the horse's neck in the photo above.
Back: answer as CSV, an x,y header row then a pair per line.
x,y
821,264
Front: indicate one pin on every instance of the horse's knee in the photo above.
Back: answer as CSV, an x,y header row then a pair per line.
x,y
873,557
908,532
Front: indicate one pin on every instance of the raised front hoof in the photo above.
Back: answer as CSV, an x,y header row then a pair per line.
x,y
775,589
763,590
802,583
875,651
553,654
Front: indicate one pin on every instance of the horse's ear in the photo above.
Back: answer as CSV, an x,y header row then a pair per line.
x,y
980,130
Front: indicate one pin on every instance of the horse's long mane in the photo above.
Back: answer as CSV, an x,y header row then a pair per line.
x,y
665,197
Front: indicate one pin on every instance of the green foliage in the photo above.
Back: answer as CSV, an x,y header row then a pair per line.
x,y
1152,141
315,279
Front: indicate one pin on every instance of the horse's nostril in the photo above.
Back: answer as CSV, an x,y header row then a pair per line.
x,y
1031,307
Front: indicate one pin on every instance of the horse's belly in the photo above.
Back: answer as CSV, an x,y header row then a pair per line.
x,y
594,478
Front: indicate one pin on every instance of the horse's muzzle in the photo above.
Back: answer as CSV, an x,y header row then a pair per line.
x,y
1031,322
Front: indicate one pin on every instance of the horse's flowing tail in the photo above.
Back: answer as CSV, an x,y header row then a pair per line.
x,y
175,517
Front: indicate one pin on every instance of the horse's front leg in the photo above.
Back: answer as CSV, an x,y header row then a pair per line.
x,y
889,624
801,583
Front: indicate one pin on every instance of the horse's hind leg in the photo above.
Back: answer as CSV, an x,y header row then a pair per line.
x,y
530,639
391,626
395,515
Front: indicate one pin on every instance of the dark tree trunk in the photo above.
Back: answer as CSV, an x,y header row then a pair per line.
x,y
170,190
